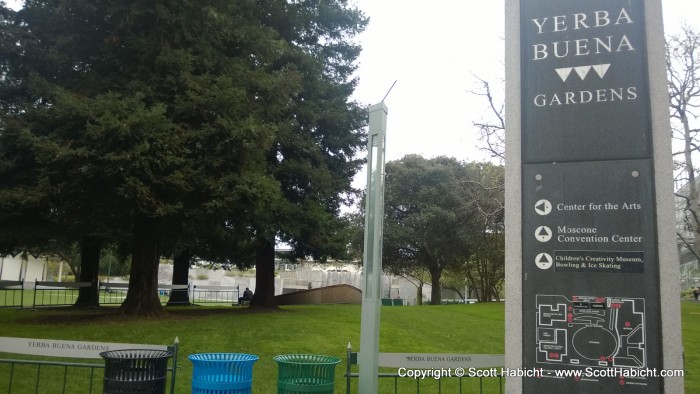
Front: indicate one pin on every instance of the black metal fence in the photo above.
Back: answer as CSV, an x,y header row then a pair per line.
x,y
11,294
57,293
53,294
215,294
44,369
115,293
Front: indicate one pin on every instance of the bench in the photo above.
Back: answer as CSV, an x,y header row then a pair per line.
x,y
243,302
443,367
60,366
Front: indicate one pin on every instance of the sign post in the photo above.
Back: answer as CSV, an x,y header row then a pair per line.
x,y
372,260
592,266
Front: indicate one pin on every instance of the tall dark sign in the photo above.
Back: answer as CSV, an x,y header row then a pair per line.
x,y
585,89
590,266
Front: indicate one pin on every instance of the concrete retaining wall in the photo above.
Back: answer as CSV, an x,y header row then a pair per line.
x,y
337,294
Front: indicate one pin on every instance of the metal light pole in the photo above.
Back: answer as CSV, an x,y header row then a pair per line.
x,y
372,260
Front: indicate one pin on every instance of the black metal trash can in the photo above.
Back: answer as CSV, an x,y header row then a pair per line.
x,y
134,371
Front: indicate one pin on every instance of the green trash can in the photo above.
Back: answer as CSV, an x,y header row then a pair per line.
x,y
306,373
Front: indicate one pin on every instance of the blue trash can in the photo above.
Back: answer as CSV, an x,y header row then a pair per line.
x,y
222,373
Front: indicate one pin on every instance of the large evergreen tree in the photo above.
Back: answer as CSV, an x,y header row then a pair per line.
x,y
121,117
180,127
313,156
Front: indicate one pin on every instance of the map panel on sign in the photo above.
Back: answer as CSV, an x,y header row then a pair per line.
x,y
591,331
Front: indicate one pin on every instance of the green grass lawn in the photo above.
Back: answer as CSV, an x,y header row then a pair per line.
x,y
690,315
324,329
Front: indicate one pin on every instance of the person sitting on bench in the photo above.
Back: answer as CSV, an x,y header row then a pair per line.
x,y
247,297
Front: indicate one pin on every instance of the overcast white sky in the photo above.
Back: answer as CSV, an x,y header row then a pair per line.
x,y
434,49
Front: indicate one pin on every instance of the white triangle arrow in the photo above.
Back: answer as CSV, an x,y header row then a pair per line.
x,y
582,71
601,69
563,73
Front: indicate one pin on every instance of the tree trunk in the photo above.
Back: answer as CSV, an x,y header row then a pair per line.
x,y
181,270
264,276
419,293
435,292
483,277
142,297
89,272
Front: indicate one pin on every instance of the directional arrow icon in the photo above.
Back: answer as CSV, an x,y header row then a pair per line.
x,y
543,234
543,207
543,261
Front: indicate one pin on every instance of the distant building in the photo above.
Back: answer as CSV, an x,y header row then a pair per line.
x,y
689,266
24,267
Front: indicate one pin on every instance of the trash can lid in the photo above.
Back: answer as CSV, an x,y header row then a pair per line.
x,y
306,359
222,357
140,354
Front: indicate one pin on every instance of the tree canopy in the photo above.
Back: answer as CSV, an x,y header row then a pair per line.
x,y
436,212
170,127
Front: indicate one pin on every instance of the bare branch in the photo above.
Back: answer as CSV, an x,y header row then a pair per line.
x,y
491,132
